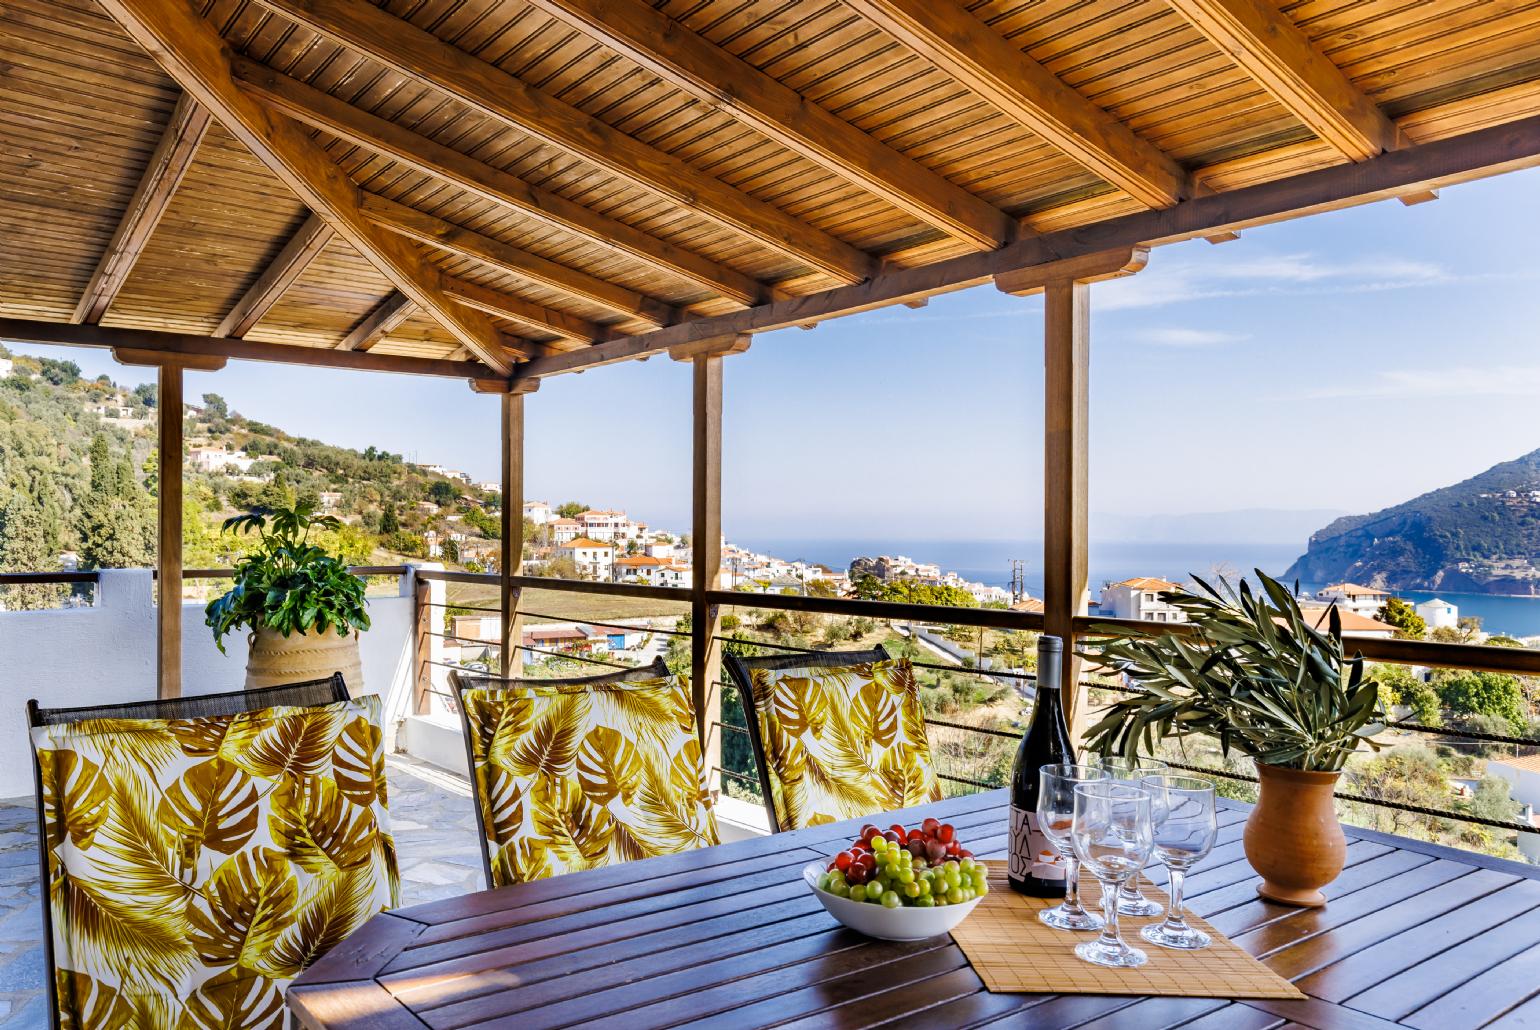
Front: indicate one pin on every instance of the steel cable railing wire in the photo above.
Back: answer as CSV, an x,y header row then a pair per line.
x,y
610,625
963,669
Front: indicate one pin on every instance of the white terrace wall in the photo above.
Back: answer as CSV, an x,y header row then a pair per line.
x,y
106,654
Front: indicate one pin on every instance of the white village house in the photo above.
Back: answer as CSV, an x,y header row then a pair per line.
x,y
1350,597
1139,598
1438,613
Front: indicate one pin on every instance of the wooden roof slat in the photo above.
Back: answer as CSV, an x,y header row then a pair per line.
x,y
168,164
1271,49
378,324
334,115
422,56
194,54
971,52
729,84
437,232
290,263
493,302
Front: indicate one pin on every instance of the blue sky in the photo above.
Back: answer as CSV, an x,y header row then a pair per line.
x,y
1345,361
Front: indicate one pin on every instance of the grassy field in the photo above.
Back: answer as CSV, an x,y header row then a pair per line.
x,y
564,606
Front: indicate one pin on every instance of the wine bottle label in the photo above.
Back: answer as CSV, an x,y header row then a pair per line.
x,y
1031,854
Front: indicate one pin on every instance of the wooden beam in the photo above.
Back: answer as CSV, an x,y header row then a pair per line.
x,y
331,114
193,53
168,547
167,165
733,86
162,346
706,562
950,37
379,323
422,56
1419,197
1267,45
561,323
436,232
1066,590
1090,268
1473,155
511,633
710,348
303,247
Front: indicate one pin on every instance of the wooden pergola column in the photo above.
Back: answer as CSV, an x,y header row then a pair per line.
x,y
706,537
1067,419
168,497
512,634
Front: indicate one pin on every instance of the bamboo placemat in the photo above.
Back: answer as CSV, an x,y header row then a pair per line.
x,y
1013,952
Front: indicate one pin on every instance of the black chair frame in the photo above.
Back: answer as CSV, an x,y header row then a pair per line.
x,y
460,682
312,693
741,670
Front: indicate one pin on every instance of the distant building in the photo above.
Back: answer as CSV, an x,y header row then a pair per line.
x,y
1351,597
1140,598
1523,776
1439,613
7,366
537,512
1353,624
330,500
593,558
608,525
488,487
656,572
563,530
218,459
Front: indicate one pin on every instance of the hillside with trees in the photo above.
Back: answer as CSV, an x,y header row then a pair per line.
x,y
79,474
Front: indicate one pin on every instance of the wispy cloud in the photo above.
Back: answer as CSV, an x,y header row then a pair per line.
x,y
1181,337
1495,381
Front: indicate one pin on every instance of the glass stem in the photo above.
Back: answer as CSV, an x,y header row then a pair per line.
x,y
1176,917
1110,936
1072,886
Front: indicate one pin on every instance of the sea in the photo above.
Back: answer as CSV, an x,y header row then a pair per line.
x,y
989,562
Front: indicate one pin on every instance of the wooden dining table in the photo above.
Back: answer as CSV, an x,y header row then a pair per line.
x,y
1413,935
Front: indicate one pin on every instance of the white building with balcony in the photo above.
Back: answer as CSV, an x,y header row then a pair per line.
x,y
593,558
538,512
219,459
1350,597
1140,598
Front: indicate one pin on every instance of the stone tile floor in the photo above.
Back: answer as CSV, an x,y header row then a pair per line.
x,y
431,816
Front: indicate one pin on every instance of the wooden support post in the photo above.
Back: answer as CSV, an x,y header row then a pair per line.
x,y
1067,358
422,677
706,541
168,493
512,527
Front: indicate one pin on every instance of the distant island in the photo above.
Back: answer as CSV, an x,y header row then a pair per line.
x,y
1478,536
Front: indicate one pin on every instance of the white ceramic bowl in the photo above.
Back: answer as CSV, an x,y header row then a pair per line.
x,y
886,924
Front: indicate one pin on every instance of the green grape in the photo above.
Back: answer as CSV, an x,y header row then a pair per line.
x,y
954,896
924,886
967,865
925,902
906,876
890,870
874,897
841,889
889,899
911,890
982,869
835,876
969,893
823,881
983,889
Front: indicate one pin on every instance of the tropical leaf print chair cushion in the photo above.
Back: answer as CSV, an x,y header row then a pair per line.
x,y
197,865
839,735
577,774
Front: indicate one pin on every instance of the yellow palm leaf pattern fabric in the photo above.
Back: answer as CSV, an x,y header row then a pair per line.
x,y
843,741
580,775
196,866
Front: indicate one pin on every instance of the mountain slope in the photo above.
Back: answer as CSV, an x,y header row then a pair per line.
x,y
1472,536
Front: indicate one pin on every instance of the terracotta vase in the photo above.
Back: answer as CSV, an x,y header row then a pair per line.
x,y
1293,838
276,659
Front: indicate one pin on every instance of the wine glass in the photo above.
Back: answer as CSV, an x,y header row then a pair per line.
x,y
1185,827
1055,818
1112,837
1131,900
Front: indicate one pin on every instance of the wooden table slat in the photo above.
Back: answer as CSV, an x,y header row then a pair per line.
x,y
1414,935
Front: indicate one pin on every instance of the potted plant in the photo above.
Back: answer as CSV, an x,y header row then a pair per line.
x,y
302,605
1250,671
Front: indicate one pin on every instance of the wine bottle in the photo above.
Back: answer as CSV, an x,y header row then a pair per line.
x,y
1034,868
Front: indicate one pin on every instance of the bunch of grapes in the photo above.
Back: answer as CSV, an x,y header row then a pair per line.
x,y
921,867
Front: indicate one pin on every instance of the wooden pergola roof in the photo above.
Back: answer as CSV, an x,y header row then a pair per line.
x,y
503,188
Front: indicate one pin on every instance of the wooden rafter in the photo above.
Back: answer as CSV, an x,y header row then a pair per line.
x,y
324,111
729,84
422,56
193,53
437,232
168,164
379,323
188,345
1269,47
951,38
1473,155
303,247
560,323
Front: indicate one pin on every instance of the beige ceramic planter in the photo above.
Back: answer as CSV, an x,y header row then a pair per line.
x,y
276,659
1293,838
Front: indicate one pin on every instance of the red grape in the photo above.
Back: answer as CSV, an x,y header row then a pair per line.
x,y
892,837
843,859
868,830
935,851
914,835
964,853
898,828
945,833
930,825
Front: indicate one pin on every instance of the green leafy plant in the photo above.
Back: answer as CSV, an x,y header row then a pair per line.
x,y
1250,672
287,583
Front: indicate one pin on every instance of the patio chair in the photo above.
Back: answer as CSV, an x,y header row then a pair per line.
x,y
836,735
197,854
573,774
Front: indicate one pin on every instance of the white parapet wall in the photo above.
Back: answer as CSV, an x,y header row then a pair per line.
x,y
105,654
